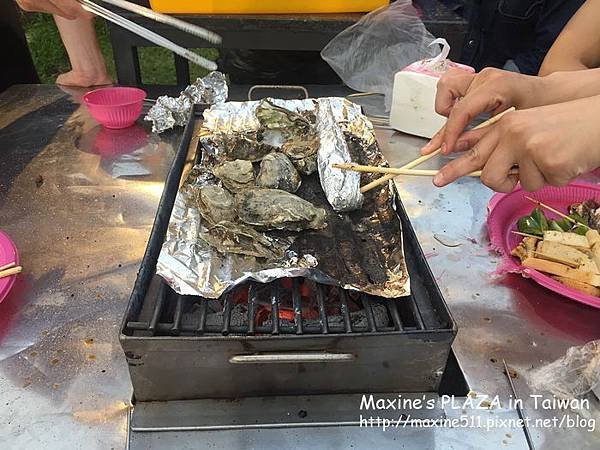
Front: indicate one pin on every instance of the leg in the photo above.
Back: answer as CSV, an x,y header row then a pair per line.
x,y
87,63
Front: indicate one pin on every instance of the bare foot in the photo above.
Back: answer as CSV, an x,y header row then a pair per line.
x,y
80,79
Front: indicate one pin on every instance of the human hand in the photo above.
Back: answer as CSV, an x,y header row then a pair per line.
x,y
69,9
463,96
550,144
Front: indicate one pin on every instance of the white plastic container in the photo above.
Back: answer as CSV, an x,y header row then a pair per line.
x,y
413,97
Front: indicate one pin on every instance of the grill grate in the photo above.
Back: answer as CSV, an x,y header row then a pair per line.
x,y
274,309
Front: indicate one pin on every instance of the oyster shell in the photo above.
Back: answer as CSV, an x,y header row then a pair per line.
x,y
299,146
216,204
298,135
278,172
235,175
230,237
273,117
306,166
248,146
279,210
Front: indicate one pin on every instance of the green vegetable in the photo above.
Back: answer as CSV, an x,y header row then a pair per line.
x,y
529,226
555,225
564,224
580,229
577,218
535,224
540,218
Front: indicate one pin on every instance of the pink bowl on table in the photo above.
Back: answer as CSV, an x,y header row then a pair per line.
x,y
506,209
8,254
115,107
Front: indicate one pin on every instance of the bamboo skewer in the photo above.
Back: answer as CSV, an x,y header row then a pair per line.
x,y
555,211
420,160
8,266
11,271
525,234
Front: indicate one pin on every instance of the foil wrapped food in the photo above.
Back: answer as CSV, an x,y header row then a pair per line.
x,y
359,244
168,112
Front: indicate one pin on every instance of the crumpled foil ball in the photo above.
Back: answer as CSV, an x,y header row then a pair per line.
x,y
168,112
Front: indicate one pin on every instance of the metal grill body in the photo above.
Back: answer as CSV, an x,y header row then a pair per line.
x,y
277,338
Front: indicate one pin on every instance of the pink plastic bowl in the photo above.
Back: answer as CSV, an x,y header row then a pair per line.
x,y
115,107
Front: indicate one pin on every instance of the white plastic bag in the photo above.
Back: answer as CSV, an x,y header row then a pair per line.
x,y
368,54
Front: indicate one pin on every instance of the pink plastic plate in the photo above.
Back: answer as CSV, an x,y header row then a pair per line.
x,y
8,254
506,209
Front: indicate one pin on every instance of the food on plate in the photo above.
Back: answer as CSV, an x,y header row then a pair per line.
x,y
578,285
274,209
235,175
231,237
567,238
537,223
567,249
216,204
554,268
278,172
588,211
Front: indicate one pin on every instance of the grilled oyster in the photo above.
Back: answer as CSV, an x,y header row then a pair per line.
x,y
235,175
273,117
248,146
298,136
278,172
276,209
216,204
230,237
299,146
306,166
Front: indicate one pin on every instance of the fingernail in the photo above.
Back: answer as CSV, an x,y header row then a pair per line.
x,y
443,148
438,179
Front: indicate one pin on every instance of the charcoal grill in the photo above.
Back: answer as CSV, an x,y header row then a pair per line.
x,y
288,337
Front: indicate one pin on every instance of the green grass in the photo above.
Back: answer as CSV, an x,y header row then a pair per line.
x,y
50,58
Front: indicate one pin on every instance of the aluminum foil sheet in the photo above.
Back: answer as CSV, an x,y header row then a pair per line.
x,y
168,112
359,249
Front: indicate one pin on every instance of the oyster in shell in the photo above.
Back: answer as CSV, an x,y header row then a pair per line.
x,y
300,146
298,135
216,204
306,166
248,146
274,209
235,175
278,172
273,117
230,237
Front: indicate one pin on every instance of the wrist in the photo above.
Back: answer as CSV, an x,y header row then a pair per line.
x,y
534,91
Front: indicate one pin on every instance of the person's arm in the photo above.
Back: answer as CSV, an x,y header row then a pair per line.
x,y
578,46
69,9
550,144
494,90
553,17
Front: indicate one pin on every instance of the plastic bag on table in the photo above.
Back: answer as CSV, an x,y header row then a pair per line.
x,y
368,54
575,375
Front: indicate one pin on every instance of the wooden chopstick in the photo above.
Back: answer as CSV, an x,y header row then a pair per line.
x,y
422,159
388,177
11,271
402,171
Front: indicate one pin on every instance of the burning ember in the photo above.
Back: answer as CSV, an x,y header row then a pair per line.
x,y
307,307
